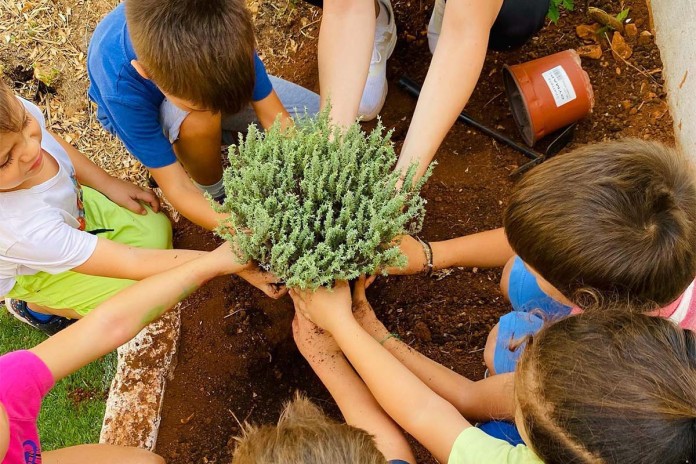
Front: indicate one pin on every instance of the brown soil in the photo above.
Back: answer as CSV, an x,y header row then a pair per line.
x,y
237,360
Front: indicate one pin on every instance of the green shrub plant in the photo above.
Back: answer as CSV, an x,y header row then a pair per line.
x,y
315,204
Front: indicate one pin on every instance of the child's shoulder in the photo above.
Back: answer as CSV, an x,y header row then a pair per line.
x,y
474,445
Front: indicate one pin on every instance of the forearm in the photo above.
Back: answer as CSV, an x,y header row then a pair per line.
x,y
346,38
112,259
451,78
359,407
483,249
415,407
190,203
269,109
120,318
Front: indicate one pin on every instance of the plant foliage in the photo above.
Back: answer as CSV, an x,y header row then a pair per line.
x,y
314,204
555,8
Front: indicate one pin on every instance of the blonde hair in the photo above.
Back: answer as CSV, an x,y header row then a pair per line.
x,y
11,120
610,387
305,435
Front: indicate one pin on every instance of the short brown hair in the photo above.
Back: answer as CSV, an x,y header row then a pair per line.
x,y
610,387
10,120
614,222
304,435
197,50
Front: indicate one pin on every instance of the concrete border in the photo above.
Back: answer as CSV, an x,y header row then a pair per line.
x,y
137,392
674,25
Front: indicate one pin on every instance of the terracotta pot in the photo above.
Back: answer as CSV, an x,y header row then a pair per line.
x,y
548,93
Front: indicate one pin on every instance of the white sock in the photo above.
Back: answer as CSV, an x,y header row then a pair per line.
x,y
215,190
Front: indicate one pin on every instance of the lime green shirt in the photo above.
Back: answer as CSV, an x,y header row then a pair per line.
x,y
474,446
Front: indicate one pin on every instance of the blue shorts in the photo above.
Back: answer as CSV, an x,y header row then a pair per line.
x,y
532,308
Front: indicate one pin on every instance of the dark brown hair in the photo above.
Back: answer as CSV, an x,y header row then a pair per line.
x,y
304,435
11,121
196,50
614,222
610,387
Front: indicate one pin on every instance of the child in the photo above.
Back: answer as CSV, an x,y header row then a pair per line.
x,y
26,376
610,387
64,248
169,76
304,430
611,223
304,435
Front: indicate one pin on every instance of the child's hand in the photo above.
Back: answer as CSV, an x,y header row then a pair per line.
x,y
264,281
363,312
227,261
314,343
416,260
325,307
130,196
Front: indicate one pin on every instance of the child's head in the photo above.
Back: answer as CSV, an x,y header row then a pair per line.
x,y
609,388
21,156
304,435
198,52
612,221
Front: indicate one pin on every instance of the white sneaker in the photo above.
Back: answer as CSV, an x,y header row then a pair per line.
x,y
375,91
435,24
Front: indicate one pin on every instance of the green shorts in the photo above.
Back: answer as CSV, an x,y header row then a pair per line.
x,y
81,292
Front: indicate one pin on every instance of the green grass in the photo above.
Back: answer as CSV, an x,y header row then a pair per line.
x,y
73,411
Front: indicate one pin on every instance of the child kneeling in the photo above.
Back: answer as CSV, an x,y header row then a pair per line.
x,y
630,396
65,248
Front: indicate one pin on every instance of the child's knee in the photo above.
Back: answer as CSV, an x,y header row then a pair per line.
x,y
159,231
489,350
200,125
505,278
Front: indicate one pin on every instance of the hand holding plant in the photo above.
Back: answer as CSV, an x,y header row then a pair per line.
x,y
315,204
325,307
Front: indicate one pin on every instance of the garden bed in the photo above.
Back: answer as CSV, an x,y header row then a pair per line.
x,y
237,360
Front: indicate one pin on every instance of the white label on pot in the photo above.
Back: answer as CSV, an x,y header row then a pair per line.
x,y
560,86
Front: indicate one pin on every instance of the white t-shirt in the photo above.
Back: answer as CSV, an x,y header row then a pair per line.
x,y
42,228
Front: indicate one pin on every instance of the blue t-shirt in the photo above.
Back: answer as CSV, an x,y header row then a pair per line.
x,y
129,105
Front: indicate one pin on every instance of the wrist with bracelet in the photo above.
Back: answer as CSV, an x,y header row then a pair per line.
x,y
428,251
389,335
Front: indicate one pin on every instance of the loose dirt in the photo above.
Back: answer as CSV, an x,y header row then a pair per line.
x,y
237,360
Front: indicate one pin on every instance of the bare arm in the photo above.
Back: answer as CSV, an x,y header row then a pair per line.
x,y
483,249
113,259
345,48
270,108
185,197
453,73
120,192
358,406
120,318
431,420
483,400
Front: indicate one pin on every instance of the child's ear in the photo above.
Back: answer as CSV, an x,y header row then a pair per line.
x,y
139,68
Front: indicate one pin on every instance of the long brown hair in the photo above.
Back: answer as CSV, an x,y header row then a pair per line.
x,y
305,435
610,387
197,50
610,222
